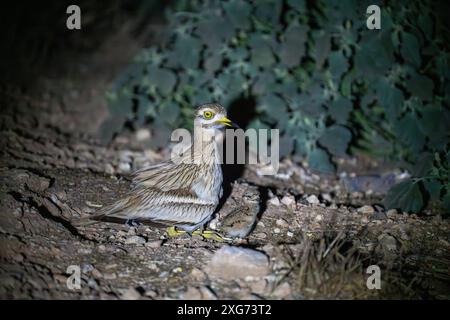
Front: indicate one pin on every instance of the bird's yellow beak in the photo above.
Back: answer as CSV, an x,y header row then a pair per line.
x,y
225,121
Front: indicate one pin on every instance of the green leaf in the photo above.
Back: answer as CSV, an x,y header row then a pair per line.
x,y
410,49
338,64
298,5
434,124
391,99
238,13
433,187
293,47
319,160
340,109
111,126
261,52
446,202
336,139
273,106
423,164
322,47
408,131
163,79
186,52
420,86
406,196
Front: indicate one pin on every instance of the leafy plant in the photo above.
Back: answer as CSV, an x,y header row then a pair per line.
x,y
315,71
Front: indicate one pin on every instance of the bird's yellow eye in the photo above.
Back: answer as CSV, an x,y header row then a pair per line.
x,y
207,114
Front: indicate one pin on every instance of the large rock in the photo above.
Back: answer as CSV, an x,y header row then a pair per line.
x,y
234,262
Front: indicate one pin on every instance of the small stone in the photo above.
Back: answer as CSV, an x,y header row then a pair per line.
x,y
130,294
110,276
288,201
260,235
207,293
125,167
326,197
391,213
202,293
312,199
366,209
87,267
290,234
143,134
276,230
259,286
151,293
388,242
318,218
96,274
236,262
191,293
131,231
197,275
111,266
135,240
109,169
101,248
274,201
177,270
282,223
282,291
154,244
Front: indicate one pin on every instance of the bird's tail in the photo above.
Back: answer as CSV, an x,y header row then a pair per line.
x,y
116,210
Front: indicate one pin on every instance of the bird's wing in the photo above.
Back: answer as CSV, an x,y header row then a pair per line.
x,y
166,176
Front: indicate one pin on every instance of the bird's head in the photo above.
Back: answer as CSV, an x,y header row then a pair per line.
x,y
212,116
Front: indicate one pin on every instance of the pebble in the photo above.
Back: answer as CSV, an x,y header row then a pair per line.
x,y
282,223
259,286
312,199
135,240
366,209
143,134
154,244
261,235
318,217
96,274
130,294
110,276
388,242
290,234
391,213
326,197
275,201
201,293
288,201
109,169
125,167
235,262
282,291
197,275
276,230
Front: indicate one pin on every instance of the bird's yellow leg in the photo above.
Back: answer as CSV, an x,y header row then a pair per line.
x,y
211,235
173,232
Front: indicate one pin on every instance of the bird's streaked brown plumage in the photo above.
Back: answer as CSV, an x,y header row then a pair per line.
x,y
183,194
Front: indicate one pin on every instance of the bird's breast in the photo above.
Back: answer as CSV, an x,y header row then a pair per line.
x,y
208,185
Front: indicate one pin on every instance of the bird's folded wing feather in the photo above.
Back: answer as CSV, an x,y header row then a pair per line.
x,y
166,176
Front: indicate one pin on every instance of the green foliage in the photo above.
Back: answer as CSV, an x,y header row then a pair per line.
x,y
315,71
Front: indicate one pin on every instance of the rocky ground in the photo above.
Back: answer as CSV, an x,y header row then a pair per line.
x,y
315,236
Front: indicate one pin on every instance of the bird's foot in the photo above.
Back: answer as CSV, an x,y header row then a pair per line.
x,y
173,232
211,235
